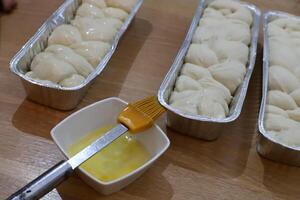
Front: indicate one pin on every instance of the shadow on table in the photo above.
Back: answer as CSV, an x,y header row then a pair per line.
x,y
151,185
281,179
38,120
228,155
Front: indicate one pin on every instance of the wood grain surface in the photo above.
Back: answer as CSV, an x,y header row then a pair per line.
x,y
228,168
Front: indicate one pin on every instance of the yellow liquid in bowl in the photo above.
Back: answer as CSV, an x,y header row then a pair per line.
x,y
118,159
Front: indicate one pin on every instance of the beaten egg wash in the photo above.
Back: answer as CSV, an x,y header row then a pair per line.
x,y
118,159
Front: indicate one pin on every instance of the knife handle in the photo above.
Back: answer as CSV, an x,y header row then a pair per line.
x,y
44,183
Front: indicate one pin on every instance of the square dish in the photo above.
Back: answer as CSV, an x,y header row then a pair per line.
x,y
99,114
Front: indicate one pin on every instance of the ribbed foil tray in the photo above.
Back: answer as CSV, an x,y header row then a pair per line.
x,y
196,125
54,95
267,146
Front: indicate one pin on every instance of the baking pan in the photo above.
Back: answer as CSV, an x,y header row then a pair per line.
x,y
45,92
267,146
196,125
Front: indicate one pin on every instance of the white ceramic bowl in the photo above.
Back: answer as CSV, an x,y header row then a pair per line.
x,y
97,115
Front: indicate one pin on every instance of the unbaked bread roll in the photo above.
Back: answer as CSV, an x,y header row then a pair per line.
x,y
282,79
115,13
232,30
232,10
211,84
294,114
89,10
98,3
92,51
52,69
276,110
68,55
103,29
72,81
274,122
289,137
186,101
65,34
230,73
211,108
281,100
194,71
186,83
201,54
126,5
296,96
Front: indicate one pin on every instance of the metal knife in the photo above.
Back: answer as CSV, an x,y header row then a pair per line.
x,y
62,170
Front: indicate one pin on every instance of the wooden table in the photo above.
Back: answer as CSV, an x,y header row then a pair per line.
x,y
228,168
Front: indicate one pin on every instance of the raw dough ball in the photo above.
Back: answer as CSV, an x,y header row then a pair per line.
x,y
232,30
285,26
274,122
211,108
232,10
296,96
217,97
186,83
230,73
283,54
294,114
115,13
126,5
64,34
186,101
41,57
68,55
52,69
201,54
229,50
281,100
72,81
194,71
289,137
276,110
89,10
92,51
282,79
103,29
211,84
98,3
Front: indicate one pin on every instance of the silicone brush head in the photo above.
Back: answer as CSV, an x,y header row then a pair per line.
x,y
140,115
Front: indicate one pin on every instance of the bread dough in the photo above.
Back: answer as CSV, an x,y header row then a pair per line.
x,y
294,114
276,110
52,69
115,13
89,10
72,81
232,30
126,5
274,122
211,108
68,55
92,51
232,10
211,84
186,101
201,54
186,83
282,79
98,3
103,29
230,73
296,96
281,100
194,71
65,34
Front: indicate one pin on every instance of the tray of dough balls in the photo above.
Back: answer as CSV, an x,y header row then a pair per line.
x,y
58,64
207,83
279,120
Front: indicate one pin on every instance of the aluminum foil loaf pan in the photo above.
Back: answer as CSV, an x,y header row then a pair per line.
x,y
53,95
267,146
196,125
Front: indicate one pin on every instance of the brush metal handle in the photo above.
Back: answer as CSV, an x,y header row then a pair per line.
x,y
44,183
